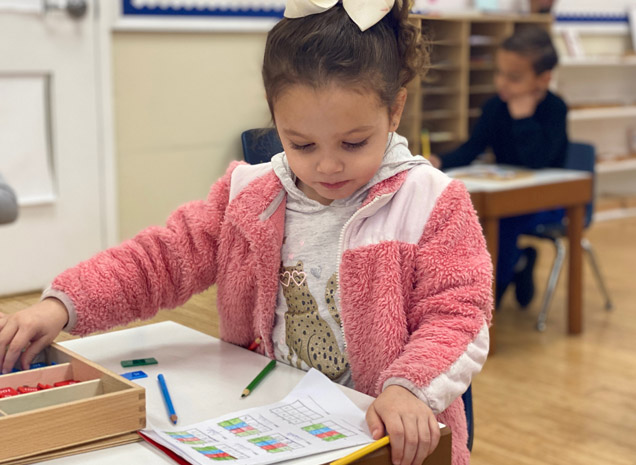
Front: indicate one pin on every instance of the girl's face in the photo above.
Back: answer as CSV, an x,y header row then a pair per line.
x,y
334,137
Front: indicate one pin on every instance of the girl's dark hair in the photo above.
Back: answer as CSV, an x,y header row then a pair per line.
x,y
534,43
329,47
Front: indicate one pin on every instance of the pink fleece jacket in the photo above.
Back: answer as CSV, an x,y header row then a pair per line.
x,y
414,277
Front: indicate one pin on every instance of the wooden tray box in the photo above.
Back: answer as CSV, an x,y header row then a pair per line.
x,y
102,405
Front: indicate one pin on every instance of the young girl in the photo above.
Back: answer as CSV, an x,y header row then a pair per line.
x,y
345,253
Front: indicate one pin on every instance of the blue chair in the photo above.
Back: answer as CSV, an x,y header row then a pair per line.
x,y
259,146
580,156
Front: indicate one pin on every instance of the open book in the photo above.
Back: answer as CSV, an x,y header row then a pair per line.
x,y
313,418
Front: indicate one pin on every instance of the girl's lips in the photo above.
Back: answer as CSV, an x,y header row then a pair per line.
x,y
336,185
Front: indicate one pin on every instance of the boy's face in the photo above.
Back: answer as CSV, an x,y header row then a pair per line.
x,y
515,76
334,137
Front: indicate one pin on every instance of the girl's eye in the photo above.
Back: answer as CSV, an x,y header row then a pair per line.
x,y
355,145
301,148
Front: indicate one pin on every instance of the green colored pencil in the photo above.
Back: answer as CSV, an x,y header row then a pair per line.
x,y
259,377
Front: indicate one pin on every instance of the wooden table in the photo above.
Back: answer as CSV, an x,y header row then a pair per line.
x,y
205,376
542,190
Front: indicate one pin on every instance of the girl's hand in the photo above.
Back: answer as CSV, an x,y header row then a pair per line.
x,y
31,330
408,421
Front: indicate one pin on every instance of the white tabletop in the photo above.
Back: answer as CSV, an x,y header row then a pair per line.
x,y
532,177
205,377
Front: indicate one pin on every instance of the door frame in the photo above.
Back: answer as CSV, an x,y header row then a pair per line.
x,y
104,14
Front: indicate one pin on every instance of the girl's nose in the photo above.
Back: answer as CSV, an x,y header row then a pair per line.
x,y
329,165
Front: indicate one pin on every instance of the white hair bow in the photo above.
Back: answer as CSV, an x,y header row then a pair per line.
x,y
365,13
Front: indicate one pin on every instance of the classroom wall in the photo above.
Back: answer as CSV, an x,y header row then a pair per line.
x,y
181,101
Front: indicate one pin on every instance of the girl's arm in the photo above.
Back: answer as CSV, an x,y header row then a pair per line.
x,y
161,267
451,305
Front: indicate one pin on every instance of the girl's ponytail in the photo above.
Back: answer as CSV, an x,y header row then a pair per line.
x,y
414,53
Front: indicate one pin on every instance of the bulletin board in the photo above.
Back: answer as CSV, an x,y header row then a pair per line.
x,y
226,15
593,11
204,8
216,15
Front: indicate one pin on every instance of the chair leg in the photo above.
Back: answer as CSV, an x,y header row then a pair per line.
x,y
587,246
559,244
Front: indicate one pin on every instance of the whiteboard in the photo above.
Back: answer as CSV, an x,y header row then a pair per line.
x,y
26,158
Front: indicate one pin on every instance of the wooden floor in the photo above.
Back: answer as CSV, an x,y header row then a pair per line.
x,y
543,398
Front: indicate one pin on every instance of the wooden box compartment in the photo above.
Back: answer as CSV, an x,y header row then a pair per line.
x,y
101,405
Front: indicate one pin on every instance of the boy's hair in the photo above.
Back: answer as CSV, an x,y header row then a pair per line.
x,y
534,43
329,47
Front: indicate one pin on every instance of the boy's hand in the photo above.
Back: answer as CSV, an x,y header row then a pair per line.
x,y
408,421
31,330
524,105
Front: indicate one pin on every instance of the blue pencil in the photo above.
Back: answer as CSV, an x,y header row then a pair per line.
x,y
166,398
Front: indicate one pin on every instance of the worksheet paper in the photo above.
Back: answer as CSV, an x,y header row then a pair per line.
x,y
316,416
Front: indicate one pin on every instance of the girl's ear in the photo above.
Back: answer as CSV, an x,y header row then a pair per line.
x,y
397,109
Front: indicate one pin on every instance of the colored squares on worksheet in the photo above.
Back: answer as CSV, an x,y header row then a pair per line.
x,y
214,453
185,437
243,426
324,432
270,444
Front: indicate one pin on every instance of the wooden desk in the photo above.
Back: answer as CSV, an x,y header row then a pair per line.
x,y
206,377
544,190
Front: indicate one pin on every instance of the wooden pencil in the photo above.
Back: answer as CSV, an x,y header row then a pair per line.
x,y
353,456
259,377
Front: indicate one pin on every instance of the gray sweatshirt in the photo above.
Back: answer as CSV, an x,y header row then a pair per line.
x,y
307,330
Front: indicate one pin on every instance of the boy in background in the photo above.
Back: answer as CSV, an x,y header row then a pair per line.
x,y
524,125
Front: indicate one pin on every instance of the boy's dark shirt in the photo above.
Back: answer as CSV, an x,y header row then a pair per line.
x,y
539,141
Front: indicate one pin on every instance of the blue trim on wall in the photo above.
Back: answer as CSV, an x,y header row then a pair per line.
x,y
129,9
592,18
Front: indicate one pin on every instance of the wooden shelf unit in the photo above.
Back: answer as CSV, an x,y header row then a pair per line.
x,y
448,100
596,78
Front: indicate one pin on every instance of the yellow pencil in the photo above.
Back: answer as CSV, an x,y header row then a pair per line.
x,y
353,456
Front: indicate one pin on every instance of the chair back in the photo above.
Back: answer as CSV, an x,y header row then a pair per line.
x,y
260,145
582,156
467,397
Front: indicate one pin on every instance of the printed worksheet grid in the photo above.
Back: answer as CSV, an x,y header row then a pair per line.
x,y
296,413
220,452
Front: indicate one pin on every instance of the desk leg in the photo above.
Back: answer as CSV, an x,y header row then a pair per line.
x,y
575,281
491,232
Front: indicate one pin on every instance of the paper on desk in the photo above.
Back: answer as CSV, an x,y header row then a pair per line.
x,y
316,416
490,172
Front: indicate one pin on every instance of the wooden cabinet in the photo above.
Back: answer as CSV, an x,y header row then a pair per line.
x,y
444,104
